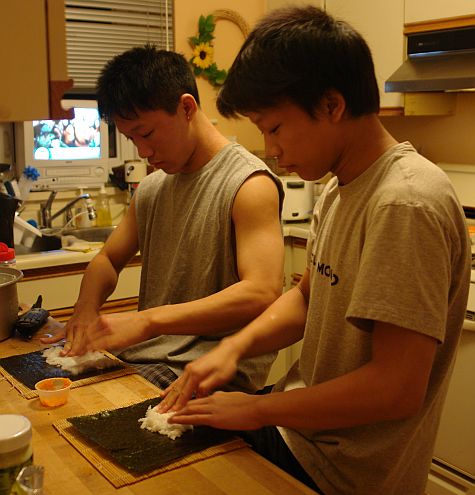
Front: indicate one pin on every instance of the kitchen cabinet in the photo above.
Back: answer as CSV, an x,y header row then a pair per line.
x,y
59,286
299,259
382,26
298,267
418,11
295,265
33,55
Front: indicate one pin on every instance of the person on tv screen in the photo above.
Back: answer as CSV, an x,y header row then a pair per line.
x,y
206,222
381,305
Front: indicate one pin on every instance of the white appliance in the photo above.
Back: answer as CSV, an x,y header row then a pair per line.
x,y
453,466
134,171
298,200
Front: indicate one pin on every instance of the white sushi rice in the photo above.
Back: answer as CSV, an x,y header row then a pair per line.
x,y
158,422
76,364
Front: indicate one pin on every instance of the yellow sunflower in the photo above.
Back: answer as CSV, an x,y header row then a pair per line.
x,y
203,55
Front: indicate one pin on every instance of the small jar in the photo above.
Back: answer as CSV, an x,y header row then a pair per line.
x,y
7,255
15,449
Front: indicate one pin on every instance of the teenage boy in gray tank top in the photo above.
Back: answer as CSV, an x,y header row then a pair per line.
x,y
381,305
206,222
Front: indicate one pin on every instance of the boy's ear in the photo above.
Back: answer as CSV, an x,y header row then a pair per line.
x,y
188,104
333,105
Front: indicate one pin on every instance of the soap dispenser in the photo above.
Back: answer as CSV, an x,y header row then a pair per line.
x,y
82,218
103,212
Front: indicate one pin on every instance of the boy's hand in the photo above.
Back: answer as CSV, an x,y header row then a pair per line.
x,y
201,376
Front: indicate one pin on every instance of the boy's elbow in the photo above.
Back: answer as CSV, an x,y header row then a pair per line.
x,y
273,292
266,296
406,404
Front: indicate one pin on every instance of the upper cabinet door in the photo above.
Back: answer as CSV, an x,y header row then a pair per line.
x,y
33,55
24,82
381,24
421,10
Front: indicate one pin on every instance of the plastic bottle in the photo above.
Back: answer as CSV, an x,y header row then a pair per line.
x,y
25,182
103,212
7,255
15,448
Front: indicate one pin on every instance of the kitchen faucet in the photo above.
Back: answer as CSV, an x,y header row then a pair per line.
x,y
45,209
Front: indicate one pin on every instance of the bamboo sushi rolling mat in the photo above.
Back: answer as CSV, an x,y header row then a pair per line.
x,y
28,393
120,476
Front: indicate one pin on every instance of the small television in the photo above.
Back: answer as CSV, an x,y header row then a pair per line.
x,y
68,153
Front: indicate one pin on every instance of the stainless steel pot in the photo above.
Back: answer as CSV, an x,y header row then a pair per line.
x,y
8,300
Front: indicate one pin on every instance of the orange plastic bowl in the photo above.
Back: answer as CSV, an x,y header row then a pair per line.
x,y
53,391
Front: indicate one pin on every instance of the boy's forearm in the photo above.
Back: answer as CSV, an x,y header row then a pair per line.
x,y
98,283
280,325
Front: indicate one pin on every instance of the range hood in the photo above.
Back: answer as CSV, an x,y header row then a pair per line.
x,y
437,61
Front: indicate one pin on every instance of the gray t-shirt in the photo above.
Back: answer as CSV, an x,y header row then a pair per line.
x,y
187,242
390,246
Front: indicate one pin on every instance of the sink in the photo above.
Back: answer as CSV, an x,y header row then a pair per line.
x,y
51,239
44,243
91,234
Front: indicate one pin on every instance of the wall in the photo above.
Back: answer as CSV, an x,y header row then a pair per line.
x,y
441,139
448,139
228,40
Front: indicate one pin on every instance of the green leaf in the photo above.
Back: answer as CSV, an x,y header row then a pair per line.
x,y
220,80
209,24
220,76
193,40
212,69
197,70
206,38
201,24
215,75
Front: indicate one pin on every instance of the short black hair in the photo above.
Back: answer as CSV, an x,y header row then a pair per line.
x,y
143,78
297,54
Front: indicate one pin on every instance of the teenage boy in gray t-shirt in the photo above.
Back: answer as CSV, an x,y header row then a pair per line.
x,y
381,305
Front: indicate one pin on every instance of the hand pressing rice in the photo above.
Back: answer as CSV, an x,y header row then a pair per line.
x,y
158,422
76,364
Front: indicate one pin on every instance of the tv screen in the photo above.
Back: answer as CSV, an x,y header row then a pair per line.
x,y
67,153
68,139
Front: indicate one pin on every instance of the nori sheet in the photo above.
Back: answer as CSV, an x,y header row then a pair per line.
x,y
32,367
119,433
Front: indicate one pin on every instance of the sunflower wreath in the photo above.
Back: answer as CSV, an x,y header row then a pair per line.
x,y
203,49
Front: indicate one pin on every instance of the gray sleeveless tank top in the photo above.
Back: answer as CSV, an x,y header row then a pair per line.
x,y
186,239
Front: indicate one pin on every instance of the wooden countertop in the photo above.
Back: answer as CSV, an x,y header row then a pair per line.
x,y
67,471
59,257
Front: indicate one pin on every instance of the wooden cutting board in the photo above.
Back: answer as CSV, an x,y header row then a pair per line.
x,y
238,472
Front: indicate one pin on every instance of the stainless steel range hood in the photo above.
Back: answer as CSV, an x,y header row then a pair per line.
x,y
437,61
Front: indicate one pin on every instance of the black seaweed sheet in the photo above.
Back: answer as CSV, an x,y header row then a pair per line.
x,y
139,450
32,367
